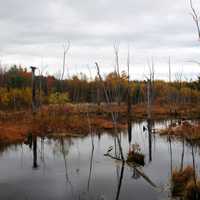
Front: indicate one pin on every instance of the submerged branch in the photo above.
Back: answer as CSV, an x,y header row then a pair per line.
x,y
135,166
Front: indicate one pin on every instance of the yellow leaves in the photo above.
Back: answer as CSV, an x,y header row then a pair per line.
x,y
5,99
15,97
58,98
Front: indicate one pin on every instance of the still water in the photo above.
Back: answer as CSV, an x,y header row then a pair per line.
x,y
71,169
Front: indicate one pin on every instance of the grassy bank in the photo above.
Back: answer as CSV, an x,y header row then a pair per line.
x,y
74,119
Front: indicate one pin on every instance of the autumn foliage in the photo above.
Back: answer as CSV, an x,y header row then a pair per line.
x,y
15,89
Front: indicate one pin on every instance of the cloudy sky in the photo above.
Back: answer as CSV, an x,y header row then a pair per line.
x,y
33,33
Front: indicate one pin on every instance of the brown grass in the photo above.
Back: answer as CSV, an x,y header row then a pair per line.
x,y
183,182
192,190
186,130
180,179
12,133
51,122
136,157
72,118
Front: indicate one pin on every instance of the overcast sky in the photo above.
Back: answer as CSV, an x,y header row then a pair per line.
x,y
33,32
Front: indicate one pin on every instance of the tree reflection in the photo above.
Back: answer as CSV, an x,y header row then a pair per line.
x,y
149,128
35,164
120,180
64,151
129,133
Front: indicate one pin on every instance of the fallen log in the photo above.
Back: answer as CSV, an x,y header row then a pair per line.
x,y
135,166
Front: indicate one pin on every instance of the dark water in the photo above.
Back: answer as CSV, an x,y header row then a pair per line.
x,y
70,169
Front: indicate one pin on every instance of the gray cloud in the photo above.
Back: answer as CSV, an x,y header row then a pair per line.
x,y
31,30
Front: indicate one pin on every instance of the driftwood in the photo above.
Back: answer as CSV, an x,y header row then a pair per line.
x,y
113,157
143,175
135,166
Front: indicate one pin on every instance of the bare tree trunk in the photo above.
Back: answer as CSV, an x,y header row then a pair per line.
x,y
149,99
118,87
195,17
129,103
66,47
33,90
170,78
114,116
129,88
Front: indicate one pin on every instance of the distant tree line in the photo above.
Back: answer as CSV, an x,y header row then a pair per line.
x,y
15,89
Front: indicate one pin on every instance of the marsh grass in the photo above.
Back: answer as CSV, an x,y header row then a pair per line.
x,y
135,155
190,132
184,185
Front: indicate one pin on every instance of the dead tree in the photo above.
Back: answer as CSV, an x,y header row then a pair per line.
x,y
196,18
117,71
129,103
113,114
170,75
149,99
129,88
116,52
33,90
178,78
66,47
170,79
150,88
41,70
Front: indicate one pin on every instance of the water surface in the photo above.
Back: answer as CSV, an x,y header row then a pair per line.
x,y
71,169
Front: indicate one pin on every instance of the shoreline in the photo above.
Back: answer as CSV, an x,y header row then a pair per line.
x,y
72,119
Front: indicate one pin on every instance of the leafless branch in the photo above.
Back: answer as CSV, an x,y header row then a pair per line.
x,y
116,51
66,47
195,17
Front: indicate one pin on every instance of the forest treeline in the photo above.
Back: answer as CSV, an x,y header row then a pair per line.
x,y
15,89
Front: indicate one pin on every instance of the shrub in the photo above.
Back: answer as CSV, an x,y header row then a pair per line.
x,y
180,179
15,98
58,98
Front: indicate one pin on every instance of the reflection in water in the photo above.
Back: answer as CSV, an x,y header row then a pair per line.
x,y
88,173
42,155
120,180
184,184
135,175
35,164
149,127
92,153
64,152
171,157
193,162
129,133
31,141
182,156
90,170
